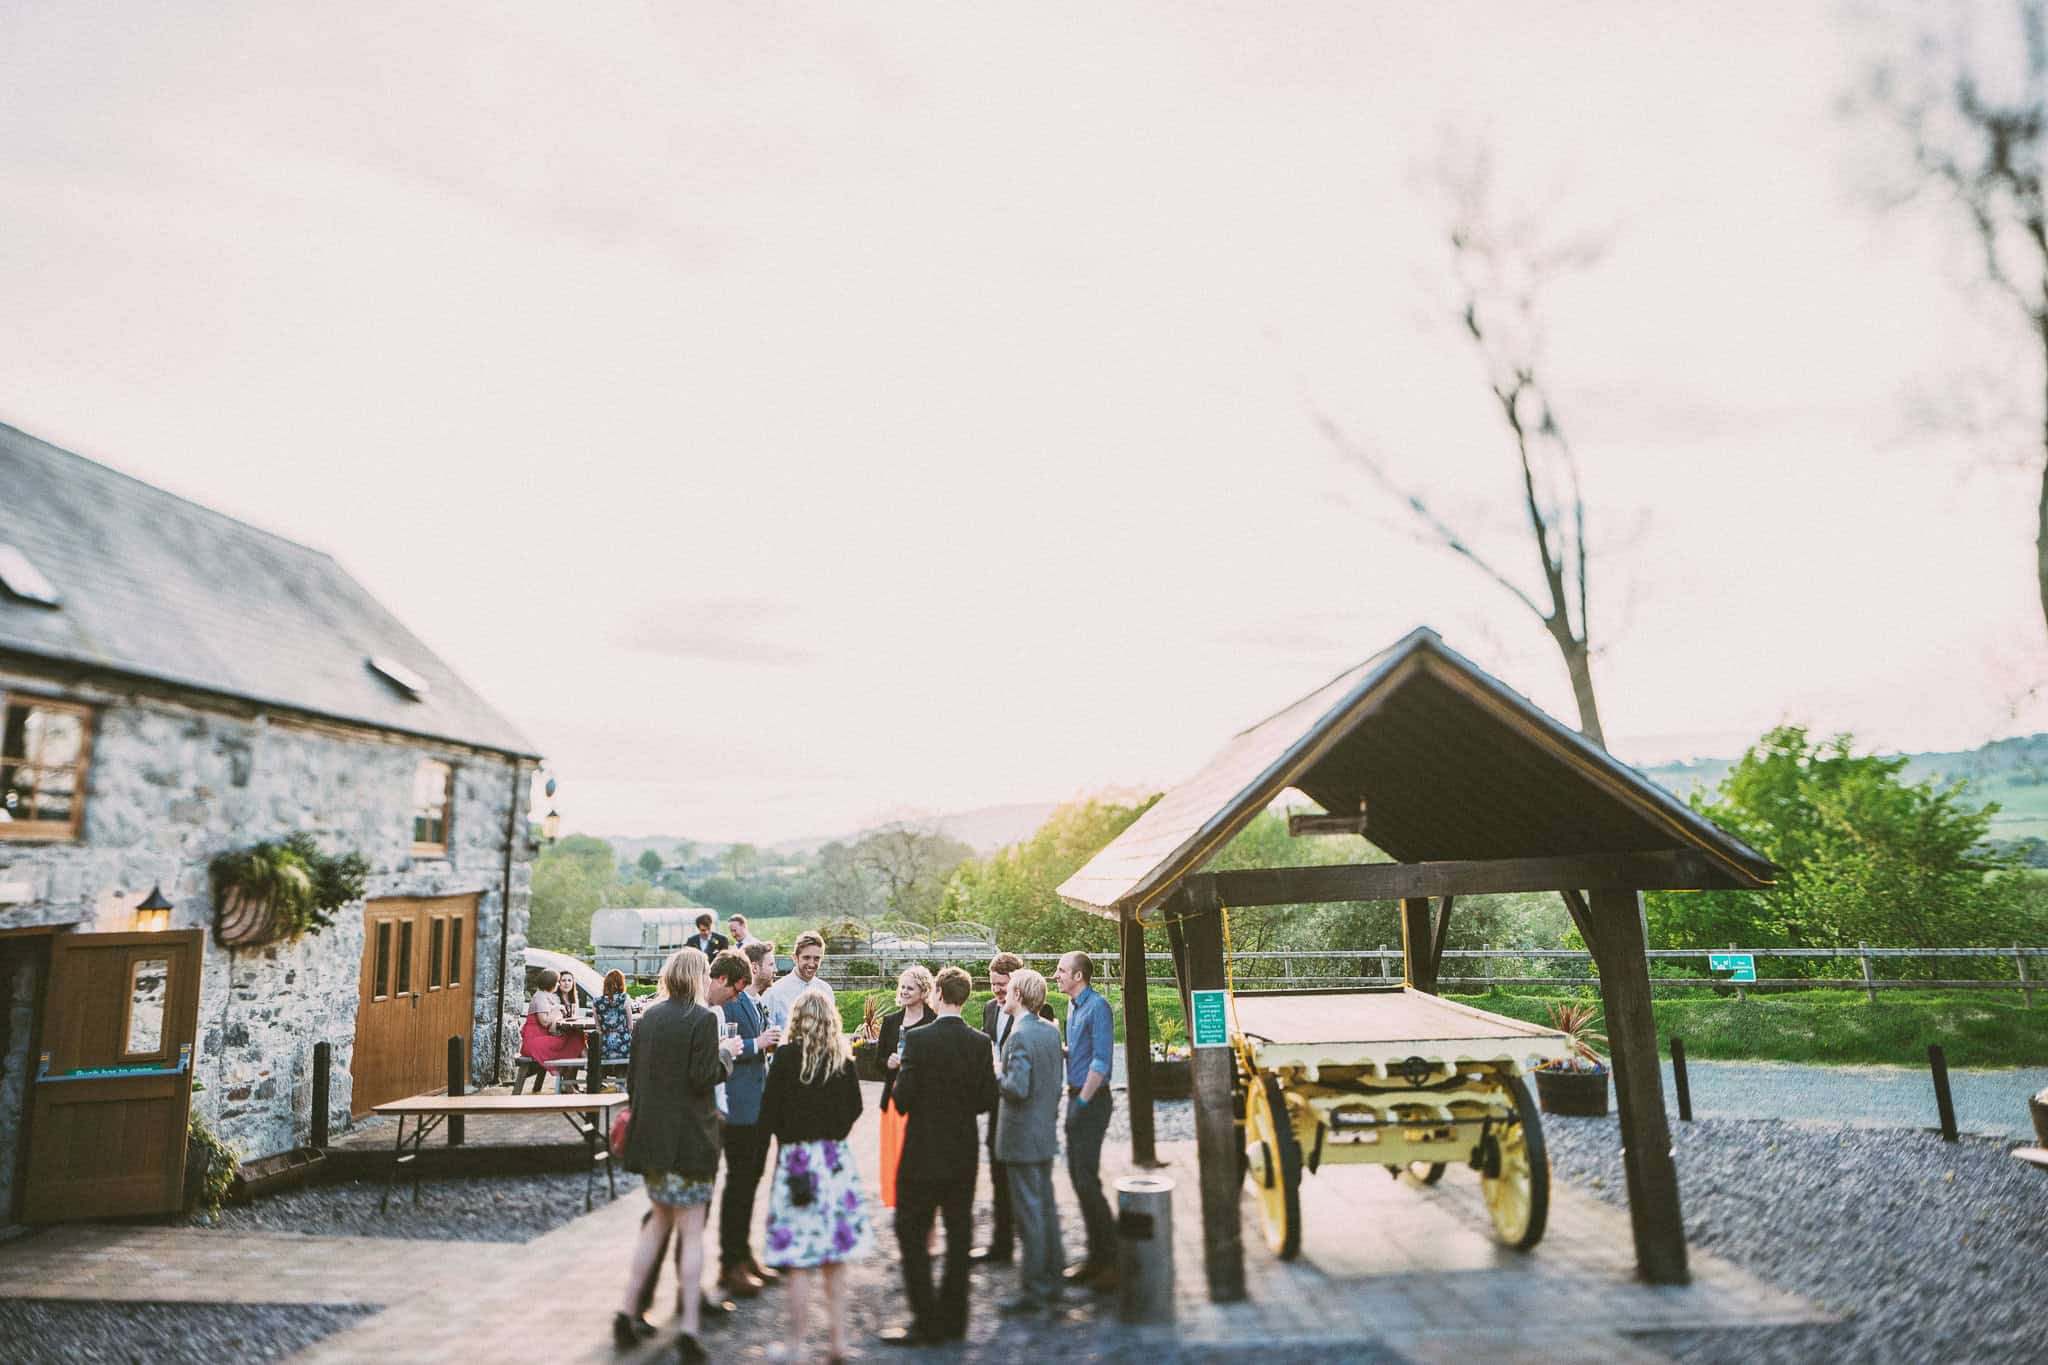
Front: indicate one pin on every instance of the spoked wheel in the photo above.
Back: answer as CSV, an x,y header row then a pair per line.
x,y
1273,1159
1514,1171
1426,1172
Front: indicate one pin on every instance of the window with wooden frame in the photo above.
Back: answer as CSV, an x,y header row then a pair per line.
x,y
45,750
433,793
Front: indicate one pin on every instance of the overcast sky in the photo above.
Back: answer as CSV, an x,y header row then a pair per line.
x,y
798,416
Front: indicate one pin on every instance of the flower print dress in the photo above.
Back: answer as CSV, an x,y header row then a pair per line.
x,y
816,1214
614,1026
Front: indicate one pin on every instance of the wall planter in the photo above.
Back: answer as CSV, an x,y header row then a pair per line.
x,y
1579,1094
274,891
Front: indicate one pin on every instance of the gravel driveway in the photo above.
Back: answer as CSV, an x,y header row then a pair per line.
x,y
1992,1103
1931,1251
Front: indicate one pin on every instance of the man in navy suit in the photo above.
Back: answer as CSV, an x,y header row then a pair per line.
x,y
746,1141
708,941
947,1079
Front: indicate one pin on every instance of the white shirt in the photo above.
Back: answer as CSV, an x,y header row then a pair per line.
x,y
780,998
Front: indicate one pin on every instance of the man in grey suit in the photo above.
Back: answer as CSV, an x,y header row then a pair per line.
x,y
1027,1140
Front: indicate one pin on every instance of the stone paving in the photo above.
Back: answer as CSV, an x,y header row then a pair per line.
x,y
1389,1270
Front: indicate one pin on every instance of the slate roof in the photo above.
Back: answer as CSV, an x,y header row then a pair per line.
x,y
1450,762
159,588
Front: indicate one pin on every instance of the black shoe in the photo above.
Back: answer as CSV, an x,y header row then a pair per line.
x,y
990,1255
627,1333
689,1349
913,1335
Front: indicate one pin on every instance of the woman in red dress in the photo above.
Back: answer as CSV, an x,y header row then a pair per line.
x,y
548,1035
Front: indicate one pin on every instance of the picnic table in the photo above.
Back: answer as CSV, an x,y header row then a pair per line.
x,y
428,1112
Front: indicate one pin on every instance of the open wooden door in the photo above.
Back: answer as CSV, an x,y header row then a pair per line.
x,y
113,1083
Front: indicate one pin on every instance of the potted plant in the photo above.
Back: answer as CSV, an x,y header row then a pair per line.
x,y
867,1058
210,1166
1172,1071
281,890
1577,1084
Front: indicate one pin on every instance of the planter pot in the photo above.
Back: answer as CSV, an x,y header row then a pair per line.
x,y
2038,1107
1580,1094
867,1063
1172,1079
244,921
195,1177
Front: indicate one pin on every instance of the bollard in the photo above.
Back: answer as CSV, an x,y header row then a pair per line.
x,y
1678,1078
593,1064
323,1067
1938,1059
1144,1242
457,1072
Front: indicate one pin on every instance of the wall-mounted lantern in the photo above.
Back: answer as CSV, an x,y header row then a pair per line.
x,y
551,826
154,914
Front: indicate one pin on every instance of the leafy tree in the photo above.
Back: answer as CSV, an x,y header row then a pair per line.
x,y
741,860
909,867
1012,890
756,898
573,879
1865,857
650,864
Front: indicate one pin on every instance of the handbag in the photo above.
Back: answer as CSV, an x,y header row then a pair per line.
x,y
620,1120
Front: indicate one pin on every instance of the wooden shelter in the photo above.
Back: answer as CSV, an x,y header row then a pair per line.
x,y
1473,790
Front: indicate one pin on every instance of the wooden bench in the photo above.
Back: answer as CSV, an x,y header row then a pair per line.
x,y
428,1112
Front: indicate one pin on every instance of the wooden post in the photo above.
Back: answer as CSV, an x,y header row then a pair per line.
x,y
1618,948
1418,945
1137,1041
1863,956
1383,960
1740,994
1214,1070
1486,967
2019,960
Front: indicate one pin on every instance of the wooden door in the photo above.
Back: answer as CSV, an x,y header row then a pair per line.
x,y
113,1084
417,992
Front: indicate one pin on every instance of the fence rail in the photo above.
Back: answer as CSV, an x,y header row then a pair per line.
x,y
1381,965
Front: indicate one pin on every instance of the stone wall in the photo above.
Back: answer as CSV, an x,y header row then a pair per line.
x,y
174,782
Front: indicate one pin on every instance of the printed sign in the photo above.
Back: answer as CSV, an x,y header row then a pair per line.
x,y
1741,965
1212,1018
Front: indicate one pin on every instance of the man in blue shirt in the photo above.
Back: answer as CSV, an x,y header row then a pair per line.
x,y
1090,1034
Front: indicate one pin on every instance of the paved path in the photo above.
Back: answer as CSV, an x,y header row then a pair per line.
x,y
1993,1103
1390,1271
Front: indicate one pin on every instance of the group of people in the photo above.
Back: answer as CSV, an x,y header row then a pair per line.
x,y
730,1058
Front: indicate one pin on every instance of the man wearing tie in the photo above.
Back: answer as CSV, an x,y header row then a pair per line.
x,y
708,941
947,1079
746,1141
996,1022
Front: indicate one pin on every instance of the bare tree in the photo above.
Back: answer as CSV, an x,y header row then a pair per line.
x,y
1502,264
1973,103
909,865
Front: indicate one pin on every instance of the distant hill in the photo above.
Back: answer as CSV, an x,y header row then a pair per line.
x,y
2011,772
983,829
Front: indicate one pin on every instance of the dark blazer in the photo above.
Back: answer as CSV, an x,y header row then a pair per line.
x,y
750,1068
719,943
885,1045
990,1013
673,1078
948,1077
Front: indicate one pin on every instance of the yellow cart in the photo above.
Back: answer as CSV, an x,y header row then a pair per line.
x,y
1394,1077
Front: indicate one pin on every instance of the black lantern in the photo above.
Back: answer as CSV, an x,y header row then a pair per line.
x,y
154,914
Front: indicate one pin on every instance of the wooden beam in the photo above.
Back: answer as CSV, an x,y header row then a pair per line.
x,y
1217,1144
1653,1211
1137,1043
1436,944
1668,870
1582,918
1418,950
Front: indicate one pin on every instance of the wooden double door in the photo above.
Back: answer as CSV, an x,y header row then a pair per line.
x,y
418,991
112,1088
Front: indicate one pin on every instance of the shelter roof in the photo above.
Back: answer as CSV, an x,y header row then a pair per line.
x,y
152,586
1447,762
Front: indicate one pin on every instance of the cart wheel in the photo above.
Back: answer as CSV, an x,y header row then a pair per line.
x,y
1515,1173
1274,1157
1426,1172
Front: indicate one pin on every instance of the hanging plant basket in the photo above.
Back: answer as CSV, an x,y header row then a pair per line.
x,y
281,890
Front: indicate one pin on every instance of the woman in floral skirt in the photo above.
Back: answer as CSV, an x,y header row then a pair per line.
x,y
816,1217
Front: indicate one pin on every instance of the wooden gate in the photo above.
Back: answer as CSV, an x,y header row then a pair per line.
x,y
113,1083
417,992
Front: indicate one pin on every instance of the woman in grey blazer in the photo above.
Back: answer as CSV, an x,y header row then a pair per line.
x,y
672,1139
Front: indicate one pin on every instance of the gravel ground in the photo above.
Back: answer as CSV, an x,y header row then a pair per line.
x,y
485,1208
1928,1250
1993,1103
48,1331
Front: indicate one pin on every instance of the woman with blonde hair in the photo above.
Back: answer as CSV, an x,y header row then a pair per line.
x,y
672,1140
913,1010
816,1218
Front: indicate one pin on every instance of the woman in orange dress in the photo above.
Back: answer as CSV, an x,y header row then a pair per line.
x,y
913,1010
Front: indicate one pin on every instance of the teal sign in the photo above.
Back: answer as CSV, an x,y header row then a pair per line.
x,y
1740,966
1212,1018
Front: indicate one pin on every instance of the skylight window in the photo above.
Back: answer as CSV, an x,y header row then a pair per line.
x,y
23,580
399,676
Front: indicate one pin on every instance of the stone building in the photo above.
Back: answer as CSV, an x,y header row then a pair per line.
x,y
176,684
